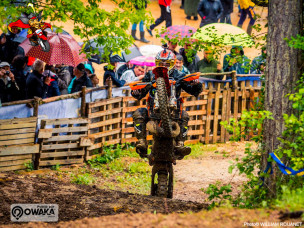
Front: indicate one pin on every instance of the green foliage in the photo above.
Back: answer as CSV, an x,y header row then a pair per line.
x,y
251,121
90,19
219,193
293,136
29,166
56,167
291,199
85,179
109,154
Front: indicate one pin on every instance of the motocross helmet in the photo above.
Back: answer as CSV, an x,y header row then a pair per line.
x,y
166,58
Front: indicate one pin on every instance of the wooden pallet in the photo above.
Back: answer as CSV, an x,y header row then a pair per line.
x,y
17,138
105,123
61,141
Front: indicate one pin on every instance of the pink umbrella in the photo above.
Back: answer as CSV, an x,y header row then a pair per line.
x,y
143,61
64,50
179,31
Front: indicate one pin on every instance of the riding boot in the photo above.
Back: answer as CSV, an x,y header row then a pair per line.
x,y
180,150
139,118
142,37
133,35
249,29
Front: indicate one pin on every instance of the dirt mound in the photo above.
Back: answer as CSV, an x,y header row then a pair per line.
x,y
80,201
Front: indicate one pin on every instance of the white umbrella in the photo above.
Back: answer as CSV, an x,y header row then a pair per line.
x,y
150,50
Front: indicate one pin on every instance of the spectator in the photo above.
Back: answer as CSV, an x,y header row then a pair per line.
x,y
191,9
11,47
8,86
165,15
258,63
246,9
18,69
94,80
209,65
172,46
190,57
36,84
179,65
2,45
141,24
53,88
228,9
88,68
210,11
136,74
64,78
111,74
124,67
237,61
81,78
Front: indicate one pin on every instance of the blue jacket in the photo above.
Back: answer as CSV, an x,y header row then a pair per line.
x,y
256,64
35,85
242,66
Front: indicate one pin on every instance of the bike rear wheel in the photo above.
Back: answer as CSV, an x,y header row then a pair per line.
x,y
163,106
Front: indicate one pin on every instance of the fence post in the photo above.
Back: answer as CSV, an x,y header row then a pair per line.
x,y
110,86
36,106
83,101
234,80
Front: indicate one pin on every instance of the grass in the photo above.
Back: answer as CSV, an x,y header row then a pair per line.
x,y
29,166
85,179
293,200
199,150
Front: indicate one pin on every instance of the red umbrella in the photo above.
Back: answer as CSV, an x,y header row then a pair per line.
x,y
64,50
179,31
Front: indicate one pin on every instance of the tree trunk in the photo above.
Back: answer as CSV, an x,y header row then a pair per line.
x,y
282,72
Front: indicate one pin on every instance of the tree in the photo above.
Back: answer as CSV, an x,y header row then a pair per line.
x,y
91,20
282,72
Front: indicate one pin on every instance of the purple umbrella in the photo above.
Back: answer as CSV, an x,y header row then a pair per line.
x,y
179,31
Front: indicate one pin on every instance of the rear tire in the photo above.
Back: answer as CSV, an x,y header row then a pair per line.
x,y
162,186
163,106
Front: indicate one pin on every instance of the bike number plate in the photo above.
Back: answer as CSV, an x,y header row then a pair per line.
x,y
38,31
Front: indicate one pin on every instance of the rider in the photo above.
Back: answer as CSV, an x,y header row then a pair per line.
x,y
167,59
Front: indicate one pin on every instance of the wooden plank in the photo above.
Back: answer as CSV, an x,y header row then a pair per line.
x,y
228,111
61,162
18,131
197,112
127,130
105,133
207,128
18,120
22,149
17,142
215,117
132,109
16,162
193,141
251,98
70,129
255,83
195,102
15,157
60,138
7,126
45,133
12,168
127,120
195,122
18,136
61,154
65,121
60,146
104,102
196,132
105,123
104,113
86,141
243,108
224,113
235,105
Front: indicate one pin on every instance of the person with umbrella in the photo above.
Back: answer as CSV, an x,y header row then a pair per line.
x,y
165,15
81,78
64,77
141,24
209,65
191,9
228,9
237,61
190,57
210,11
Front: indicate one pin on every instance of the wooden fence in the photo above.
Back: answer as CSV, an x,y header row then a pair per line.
x,y
109,122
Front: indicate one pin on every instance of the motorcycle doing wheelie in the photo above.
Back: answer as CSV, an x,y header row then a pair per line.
x,y
164,127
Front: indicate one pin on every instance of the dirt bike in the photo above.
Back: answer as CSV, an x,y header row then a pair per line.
x,y
164,128
39,37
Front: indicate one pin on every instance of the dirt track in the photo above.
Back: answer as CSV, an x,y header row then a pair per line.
x,y
80,201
